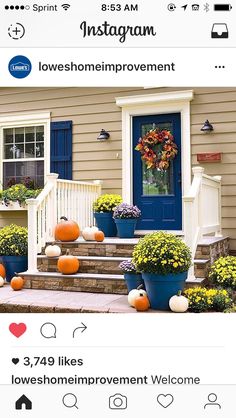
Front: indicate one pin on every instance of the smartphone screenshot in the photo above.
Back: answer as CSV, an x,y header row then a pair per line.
x,y
117,208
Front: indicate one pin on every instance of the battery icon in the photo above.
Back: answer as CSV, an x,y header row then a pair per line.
x,y
222,7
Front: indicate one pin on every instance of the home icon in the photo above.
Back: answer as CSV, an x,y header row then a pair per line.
x,y
25,402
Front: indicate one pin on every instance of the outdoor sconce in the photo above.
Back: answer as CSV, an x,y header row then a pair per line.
x,y
207,127
103,136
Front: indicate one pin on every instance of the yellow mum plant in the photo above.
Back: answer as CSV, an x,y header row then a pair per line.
x,y
161,253
223,272
107,202
13,240
203,300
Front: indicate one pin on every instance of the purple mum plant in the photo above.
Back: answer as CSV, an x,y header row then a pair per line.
x,y
127,267
125,211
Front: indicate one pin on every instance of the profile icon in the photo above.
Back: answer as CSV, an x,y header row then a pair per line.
x,y
212,398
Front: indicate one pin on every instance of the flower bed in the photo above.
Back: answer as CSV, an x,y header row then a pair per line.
x,y
205,300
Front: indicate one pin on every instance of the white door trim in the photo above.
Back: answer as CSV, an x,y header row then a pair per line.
x,y
150,104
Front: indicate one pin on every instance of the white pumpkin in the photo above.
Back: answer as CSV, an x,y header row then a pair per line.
x,y
88,233
53,251
2,281
133,294
178,303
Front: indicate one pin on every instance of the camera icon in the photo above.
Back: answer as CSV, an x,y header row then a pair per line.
x,y
118,401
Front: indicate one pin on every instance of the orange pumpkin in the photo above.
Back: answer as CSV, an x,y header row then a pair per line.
x,y
2,271
17,283
68,264
99,236
141,303
66,230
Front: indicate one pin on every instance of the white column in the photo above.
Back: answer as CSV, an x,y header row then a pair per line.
x,y
32,235
52,207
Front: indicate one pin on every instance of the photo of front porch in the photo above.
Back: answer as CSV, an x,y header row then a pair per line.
x,y
73,168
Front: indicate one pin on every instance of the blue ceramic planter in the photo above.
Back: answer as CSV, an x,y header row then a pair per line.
x,y
105,223
126,227
133,280
14,264
161,288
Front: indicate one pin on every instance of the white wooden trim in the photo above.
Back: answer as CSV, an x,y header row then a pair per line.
x,y
25,119
185,95
151,104
31,118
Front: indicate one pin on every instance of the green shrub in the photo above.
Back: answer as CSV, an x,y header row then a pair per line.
x,y
13,240
161,253
223,272
107,202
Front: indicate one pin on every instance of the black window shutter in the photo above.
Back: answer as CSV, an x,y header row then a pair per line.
x,y
61,149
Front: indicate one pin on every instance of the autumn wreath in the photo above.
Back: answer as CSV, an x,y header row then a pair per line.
x,y
157,149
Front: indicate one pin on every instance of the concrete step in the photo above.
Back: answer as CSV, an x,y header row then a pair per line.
x,y
80,282
196,282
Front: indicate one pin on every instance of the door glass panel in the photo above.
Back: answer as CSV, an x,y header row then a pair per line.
x,y
155,181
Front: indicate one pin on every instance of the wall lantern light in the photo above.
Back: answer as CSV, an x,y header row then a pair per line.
x,y
103,136
207,127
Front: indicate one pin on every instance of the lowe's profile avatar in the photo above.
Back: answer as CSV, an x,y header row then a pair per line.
x,y
19,66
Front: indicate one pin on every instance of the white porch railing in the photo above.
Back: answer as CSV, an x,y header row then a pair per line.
x,y
202,209
72,199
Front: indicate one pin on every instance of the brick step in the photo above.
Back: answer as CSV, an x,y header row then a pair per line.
x,y
80,282
88,264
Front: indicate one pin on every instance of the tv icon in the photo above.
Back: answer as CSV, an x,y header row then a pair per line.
x,y
23,403
219,31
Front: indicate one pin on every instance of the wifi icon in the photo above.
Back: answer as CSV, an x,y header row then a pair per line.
x,y
65,6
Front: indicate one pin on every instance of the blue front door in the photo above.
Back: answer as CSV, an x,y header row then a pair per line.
x,y
157,193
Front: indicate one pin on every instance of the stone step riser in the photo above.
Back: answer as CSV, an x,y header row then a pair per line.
x,y
213,251
91,266
106,267
86,285
76,284
98,250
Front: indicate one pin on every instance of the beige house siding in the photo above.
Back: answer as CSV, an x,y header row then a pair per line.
x,y
92,109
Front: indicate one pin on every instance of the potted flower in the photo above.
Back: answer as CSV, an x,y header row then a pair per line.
x,y
133,278
103,211
126,217
17,194
164,260
13,249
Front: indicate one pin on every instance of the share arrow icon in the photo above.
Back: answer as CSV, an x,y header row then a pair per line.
x,y
80,329
185,7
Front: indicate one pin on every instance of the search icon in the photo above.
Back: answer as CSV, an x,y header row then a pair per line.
x,y
70,400
48,330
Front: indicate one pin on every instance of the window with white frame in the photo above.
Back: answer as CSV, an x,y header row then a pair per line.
x,y
23,154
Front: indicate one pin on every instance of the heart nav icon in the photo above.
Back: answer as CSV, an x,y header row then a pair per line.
x,y
165,400
17,329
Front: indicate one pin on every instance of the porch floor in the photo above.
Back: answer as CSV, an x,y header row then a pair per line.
x,y
51,301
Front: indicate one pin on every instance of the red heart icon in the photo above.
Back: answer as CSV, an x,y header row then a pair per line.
x,y
17,329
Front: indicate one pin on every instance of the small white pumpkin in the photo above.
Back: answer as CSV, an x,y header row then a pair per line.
x,y
178,303
88,233
134,293
2,281
53,250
